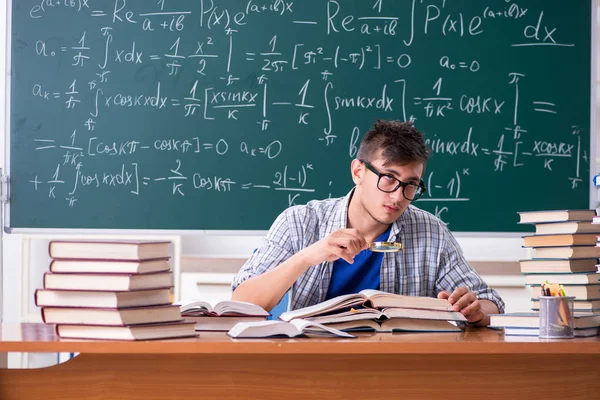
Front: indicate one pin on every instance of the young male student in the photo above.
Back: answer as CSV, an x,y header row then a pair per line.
x,y
321,248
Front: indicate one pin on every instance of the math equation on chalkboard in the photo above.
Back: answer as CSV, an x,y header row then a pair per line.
x,y
219,114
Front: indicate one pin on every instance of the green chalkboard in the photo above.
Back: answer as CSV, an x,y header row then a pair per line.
x,y
217,115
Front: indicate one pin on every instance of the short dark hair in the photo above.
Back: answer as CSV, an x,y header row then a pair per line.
x,y
399,142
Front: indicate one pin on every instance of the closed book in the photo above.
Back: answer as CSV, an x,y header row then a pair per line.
x,y
581,292
170,330
578,239
576,278
541,265
108,250
110,282
110,266
295,328
397,325
530,217
532,320
114,317
97,299
586,332
556,228
418,325
221,323
567,252
578,305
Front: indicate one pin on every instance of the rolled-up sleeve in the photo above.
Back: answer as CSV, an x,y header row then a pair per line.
x,y
276,247
455,272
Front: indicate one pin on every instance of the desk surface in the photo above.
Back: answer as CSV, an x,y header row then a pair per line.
x,y
41,338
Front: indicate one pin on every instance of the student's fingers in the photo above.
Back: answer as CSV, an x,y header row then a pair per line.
x,y
347,241
457,294
444,294
358,238
342,253
473,311
464,301
353,241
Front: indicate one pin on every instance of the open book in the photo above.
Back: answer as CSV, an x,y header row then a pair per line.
x,y
361,314
297,327
397,325
194,307
368,298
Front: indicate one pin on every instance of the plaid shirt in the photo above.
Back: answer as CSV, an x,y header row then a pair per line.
x,y
430,260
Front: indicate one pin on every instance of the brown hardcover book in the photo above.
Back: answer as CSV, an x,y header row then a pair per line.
x,y
567,252
541,265
532,320
564,279
532,217
113,317
578,305
136,332
388,313
556,228
581,292
110,266
397,325
97,299
108,282
108,250
576,239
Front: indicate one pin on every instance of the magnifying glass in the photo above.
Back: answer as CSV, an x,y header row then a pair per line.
x,y
385,247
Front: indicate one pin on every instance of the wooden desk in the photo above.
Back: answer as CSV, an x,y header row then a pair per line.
x,y
478,363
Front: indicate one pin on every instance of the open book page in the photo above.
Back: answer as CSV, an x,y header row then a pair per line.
x,y
226,307
337,303
297,327
315,328
379,299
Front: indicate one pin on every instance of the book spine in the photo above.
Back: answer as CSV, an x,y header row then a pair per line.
x,y
35,297
44,315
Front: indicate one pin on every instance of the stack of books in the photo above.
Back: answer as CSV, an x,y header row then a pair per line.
x,y
566,252
117,290
528,324
374,310
222,316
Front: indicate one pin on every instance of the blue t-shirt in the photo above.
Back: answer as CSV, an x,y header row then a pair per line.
x,y
363,274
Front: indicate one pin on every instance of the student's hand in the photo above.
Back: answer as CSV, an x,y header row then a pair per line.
x,y
465,302
343,243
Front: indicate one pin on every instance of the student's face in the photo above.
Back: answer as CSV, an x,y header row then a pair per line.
x,y
384,207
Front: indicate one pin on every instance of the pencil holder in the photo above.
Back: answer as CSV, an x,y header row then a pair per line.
x,y
556,317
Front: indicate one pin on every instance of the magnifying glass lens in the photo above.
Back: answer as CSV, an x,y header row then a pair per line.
x,y
385,247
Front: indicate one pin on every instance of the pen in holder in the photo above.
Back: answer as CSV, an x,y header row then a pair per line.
x,y
556,317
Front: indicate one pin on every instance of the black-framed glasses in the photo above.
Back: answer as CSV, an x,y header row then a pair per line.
x,y
388,183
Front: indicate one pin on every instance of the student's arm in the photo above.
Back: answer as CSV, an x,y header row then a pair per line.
x,y
267,288
463,287
465,301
